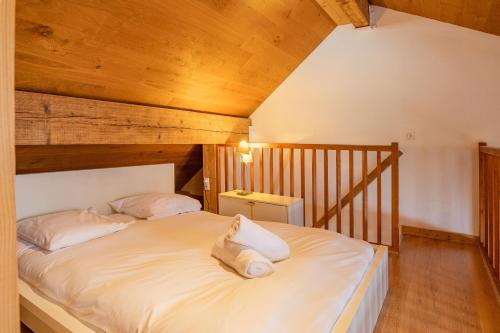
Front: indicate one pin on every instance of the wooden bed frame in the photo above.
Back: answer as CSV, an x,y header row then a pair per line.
x,y
45,316
360,313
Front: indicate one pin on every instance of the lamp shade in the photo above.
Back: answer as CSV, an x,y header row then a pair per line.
x,y
243,147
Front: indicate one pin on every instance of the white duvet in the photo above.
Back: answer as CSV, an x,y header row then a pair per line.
x,y
158,276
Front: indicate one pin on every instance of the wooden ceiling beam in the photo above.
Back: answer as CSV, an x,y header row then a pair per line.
x,y
44,119
347,11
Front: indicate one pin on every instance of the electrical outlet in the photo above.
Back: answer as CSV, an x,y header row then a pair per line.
x,y
206,184
410,135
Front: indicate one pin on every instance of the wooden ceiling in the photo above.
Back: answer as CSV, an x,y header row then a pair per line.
x,y
219,56
482,15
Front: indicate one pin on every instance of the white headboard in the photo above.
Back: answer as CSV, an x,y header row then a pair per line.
x,y
41,193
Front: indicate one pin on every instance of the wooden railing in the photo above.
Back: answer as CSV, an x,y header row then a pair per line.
x,y
489,207
293,169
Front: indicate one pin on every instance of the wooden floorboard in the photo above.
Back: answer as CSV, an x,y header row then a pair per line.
x,y
439,286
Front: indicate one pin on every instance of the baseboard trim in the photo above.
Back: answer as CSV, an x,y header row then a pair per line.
x,y
439,235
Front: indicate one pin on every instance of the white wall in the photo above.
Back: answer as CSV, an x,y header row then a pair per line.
x,y
41,193
373,86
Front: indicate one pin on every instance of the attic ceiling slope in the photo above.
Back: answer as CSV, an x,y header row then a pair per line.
x,y
482,15
223,56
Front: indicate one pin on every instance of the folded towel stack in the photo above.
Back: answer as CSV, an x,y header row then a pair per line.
x,y
247,262
251,235
250,249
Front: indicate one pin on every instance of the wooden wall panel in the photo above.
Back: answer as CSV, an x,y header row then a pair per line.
x,y
216,56
211,171
482,15
9,302
187,158
43,119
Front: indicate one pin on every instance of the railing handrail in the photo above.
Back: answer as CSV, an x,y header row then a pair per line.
x,y
319,146
490,151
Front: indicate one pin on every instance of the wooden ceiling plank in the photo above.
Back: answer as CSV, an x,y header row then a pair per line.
x,y
481,15
184,54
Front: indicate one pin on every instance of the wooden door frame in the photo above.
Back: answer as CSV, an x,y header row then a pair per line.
x,y
9,298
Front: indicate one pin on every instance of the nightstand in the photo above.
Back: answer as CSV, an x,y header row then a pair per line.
x,y
263,207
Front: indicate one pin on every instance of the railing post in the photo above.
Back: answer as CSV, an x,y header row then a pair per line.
x,y
481,194
395,195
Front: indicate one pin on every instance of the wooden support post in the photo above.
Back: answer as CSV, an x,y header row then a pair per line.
x,y
351,193
252,176
325,188
338,168
486,206
303,180
314,189
9,300
243,168
281,171
496,217
482,232
379,197
261,170
226,171
489,215
365,194
235,173
271,171
292,173
395,196
210,171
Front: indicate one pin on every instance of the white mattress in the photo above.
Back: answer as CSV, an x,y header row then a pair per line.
x,y
158,276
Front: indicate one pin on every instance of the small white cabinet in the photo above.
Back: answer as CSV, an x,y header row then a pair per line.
x,y
263,207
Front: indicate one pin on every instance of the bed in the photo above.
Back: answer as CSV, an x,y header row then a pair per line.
x,y
158,276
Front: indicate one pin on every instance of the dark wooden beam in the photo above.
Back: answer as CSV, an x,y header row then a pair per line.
x,y
347,11
33,159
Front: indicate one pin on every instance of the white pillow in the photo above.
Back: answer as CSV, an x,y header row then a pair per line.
x,y
62,229
154,205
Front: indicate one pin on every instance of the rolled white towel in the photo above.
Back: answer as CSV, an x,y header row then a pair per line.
x,y
246,262
251,235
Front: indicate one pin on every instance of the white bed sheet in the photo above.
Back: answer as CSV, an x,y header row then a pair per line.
x,y
158,276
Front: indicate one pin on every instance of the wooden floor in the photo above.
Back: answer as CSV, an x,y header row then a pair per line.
x,y
438,286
